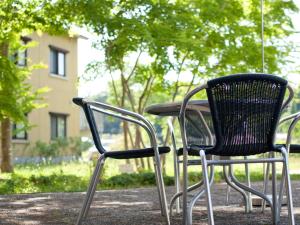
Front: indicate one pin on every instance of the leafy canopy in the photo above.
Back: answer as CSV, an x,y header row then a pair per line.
x,y
204,38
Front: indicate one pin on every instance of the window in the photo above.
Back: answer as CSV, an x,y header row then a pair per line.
x,y
19,132
21,58
58,125
21,55
57,61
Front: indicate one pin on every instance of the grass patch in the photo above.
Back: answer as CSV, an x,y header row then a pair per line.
x,y
16,183
75,176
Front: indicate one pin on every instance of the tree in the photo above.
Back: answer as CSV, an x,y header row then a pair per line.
x,y
18,18
145,41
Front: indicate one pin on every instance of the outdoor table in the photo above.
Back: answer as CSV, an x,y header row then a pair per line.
x,y
173,109
203,110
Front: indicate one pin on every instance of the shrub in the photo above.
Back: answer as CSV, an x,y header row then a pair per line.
x,y
45,150
142,179
77,146
61,147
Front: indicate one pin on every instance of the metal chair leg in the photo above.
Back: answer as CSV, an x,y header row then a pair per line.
x,y
91,190
207,188
266,182
177,195
280,194
233,183
177,181
247,171
249,189
274,194
196,197
289,189
227,195
176,166
158,186
161,189
184,187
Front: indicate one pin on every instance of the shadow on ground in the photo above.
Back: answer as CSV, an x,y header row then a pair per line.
x,y
128,207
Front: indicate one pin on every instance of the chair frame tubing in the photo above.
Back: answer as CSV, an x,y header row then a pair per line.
x,y
143,122
91,190
288,141
296,118
273,203
185,161
277,202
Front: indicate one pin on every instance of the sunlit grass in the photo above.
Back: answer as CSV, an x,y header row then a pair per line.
x,y
74,176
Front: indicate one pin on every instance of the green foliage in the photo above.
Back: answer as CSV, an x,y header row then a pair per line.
x,y
17,183
43,149
59,146
142,179
77,146
146,42
40,183
169,30
75,176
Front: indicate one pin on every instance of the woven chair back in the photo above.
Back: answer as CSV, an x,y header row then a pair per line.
x,y
245,110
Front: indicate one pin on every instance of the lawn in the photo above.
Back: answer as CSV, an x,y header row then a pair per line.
x,y
74,176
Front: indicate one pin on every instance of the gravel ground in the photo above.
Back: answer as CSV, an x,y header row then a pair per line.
x,y
128,207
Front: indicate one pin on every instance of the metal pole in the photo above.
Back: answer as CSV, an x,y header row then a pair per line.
x,y
262,36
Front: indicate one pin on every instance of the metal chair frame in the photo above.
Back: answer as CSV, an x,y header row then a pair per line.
x,y
204,162
295,119
267,170
129,116
231,183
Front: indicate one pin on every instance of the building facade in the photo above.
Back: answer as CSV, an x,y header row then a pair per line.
x,y
60,117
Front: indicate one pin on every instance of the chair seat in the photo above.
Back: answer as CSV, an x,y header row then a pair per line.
x,y
193,150
137,153
294,148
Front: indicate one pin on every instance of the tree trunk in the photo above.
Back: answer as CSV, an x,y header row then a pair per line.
x,y
138,144
149,164
6,164
125,133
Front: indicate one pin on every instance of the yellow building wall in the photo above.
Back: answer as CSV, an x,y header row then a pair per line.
x,y
60,94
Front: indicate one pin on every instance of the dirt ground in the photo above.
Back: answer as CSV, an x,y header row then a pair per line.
x,y
129,207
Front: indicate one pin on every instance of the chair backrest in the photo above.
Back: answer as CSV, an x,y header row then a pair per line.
x,y
196,129
97,112
91,122
245,110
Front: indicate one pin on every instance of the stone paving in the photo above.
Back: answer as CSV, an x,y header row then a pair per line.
x,y
128,207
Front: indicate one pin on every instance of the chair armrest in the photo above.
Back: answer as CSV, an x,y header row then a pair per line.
x,y
119,113
78,101
287,118
296,118
183,111
289,99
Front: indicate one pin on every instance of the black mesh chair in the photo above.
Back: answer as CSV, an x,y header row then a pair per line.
x,y
245,111
200,134
91,108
